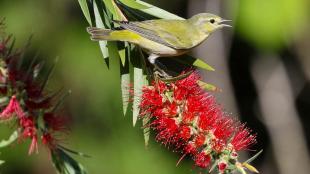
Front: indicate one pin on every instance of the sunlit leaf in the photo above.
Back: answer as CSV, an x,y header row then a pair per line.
x,y
116,12
189,60
207,86
85,10
110,7
250,167
114,55
102,44
134,4
146,129
125,85
201,64
254,157
139,81
158,12
74,152
65,164
12,138
122,54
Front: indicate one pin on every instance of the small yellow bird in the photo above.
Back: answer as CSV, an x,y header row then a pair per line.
x,y
163,37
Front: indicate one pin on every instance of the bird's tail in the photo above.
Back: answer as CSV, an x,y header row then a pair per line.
x,y
98,34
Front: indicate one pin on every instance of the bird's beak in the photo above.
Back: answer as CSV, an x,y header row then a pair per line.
x,y
224,25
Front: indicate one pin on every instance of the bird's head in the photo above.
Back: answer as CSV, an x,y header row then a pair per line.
x,y
207,22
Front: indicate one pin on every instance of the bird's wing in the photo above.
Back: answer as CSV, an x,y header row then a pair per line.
x,y
172,33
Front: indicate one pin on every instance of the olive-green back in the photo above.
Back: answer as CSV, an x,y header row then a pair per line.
x,y
177,34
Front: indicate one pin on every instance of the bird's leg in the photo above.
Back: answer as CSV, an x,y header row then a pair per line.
x,y
153,60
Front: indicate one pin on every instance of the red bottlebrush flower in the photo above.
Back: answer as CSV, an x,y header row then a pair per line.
x,y
167,128
200,140
48,140
190,148
222,166
33,146
12,108
189,119
45,103
223,129
185,133
30,132
56,122
170,110
202,160
242,138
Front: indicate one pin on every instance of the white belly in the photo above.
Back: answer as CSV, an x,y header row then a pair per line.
x,y
161,50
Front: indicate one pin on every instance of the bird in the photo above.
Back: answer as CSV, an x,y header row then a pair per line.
x,y
162,37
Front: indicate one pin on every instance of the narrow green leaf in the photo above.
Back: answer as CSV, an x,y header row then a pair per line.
x,y
250,167
254,157
125,85
122,55
85,10
139,81
65,164
158,12
74,152
134,4
207,86
201,64
190,60
146,129
9,141
102,44
111,6
113,55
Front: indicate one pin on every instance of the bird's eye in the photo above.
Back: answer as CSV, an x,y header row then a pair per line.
x,y
212,21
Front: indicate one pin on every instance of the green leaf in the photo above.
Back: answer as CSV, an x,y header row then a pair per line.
x,y
65,164
139,81
112,7
9,141
146,129
122,55
125,78
2,162
85,10
158,12
254,157
207,86
201,64
134,4
250,167
102,44
125,85
189,60
109,5
114,55
74,152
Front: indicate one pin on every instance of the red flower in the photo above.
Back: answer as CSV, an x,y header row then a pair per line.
x,y
48,140
202,160
242,138
189,119
222,166
12,108
167,129
56,122
29,131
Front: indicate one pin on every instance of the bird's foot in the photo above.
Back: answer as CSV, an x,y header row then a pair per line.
x,y
170,78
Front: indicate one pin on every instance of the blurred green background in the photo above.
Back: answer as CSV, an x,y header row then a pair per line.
x,y
98,127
